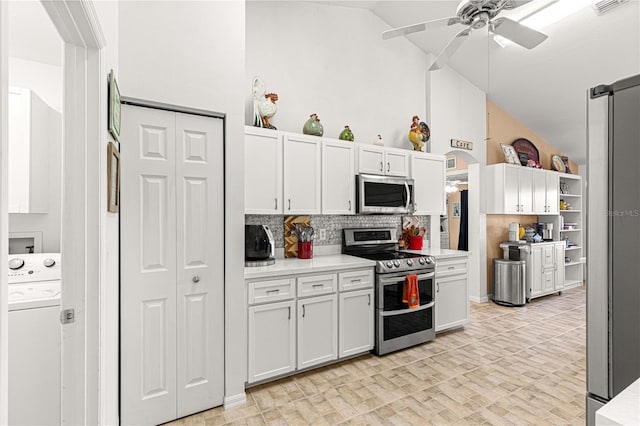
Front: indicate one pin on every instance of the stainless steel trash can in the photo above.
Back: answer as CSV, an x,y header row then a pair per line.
x,y
509,282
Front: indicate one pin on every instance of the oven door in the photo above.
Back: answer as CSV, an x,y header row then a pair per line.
x,y
398,326
383,194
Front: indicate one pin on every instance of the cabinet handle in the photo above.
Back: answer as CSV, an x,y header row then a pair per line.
x,y
437,287
349,205
195,279
451,267
276,207
289,203
303,311
388,167
289,317
317,285
355,280
276,291
381,166
369,296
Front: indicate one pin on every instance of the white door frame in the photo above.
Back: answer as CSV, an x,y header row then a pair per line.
x,y
84,130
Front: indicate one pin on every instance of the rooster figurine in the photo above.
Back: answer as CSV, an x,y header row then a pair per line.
x,y
419,133
264,105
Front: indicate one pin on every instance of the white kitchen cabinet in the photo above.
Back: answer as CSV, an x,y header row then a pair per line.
x,y
545,269
545,192
302,174
383,161
355,318
510,189
299,321
428,172
271,340
317,330
263,171
451,298
338,177
30,133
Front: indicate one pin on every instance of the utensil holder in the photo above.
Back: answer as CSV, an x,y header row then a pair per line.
x,y
305,250
415,243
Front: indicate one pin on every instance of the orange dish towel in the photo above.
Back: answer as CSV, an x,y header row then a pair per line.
x,y
410,293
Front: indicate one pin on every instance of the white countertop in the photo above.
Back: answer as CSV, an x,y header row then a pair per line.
x,y
439,253
334,262
624,409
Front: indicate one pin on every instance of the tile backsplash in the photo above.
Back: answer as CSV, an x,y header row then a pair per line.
x,y
333,225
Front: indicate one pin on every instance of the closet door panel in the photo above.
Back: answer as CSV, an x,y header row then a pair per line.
x,y
148,266
200,254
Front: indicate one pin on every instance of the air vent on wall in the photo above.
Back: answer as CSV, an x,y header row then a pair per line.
x,y
605,6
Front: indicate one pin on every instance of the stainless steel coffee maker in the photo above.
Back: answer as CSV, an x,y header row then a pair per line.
x,y
547,231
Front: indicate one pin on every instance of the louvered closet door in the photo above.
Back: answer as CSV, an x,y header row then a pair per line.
x,y
148,266
200,255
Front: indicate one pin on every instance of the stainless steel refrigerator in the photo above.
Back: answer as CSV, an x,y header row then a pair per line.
x,y
613,241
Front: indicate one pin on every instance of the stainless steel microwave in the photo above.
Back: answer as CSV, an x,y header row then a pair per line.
x,y
384,194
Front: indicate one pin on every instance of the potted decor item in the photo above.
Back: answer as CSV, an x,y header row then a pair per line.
x,y
313,126
346,134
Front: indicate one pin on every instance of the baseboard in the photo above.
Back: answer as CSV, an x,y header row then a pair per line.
x,y
235,400
483,299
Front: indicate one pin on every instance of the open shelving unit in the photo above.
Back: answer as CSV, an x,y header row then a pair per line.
x,y
570,191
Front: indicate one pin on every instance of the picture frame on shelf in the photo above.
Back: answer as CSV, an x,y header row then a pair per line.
x,y
113,178
510,154
114,107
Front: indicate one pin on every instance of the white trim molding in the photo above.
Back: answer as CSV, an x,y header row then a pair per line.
x,y
235,401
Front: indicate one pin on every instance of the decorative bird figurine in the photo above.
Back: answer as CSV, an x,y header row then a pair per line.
x,y
419,133
264,105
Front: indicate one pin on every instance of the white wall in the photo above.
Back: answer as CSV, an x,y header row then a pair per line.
x,y
331,60
107,13
192,54
46,81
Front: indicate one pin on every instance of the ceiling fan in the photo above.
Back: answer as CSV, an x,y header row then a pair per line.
x,y
475,14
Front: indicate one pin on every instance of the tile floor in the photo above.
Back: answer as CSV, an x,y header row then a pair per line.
x,y
508,366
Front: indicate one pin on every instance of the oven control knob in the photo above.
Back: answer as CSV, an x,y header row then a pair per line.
x,y
409,262
389,264
396,263
429,260
423,260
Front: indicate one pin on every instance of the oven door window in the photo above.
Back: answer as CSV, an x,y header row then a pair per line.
x,y
395,326
392,294
384,195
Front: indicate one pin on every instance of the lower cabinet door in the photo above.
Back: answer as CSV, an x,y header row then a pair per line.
x,y
317,330
271,346
452,302
548,280
536,272
559,266
355,321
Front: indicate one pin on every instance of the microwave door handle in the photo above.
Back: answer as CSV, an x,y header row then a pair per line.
x,y
406,188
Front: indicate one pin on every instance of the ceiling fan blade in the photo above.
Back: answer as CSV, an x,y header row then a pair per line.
x,y
451,48
517,33
513,4
415,28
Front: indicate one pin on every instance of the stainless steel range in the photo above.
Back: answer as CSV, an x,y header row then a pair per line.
x,y
397,326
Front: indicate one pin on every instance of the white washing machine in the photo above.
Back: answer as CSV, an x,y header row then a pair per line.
x,y
34,339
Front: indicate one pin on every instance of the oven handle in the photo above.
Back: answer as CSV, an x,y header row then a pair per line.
x,y
396,280
406,187
407,311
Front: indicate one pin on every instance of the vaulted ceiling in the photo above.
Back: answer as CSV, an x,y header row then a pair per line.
x,y
544,88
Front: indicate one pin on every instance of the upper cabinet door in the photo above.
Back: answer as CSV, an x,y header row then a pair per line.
x,y
371,160
263,171
553,183
539,192
526,190
428,173
338,177
396,163
511,191
302,174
